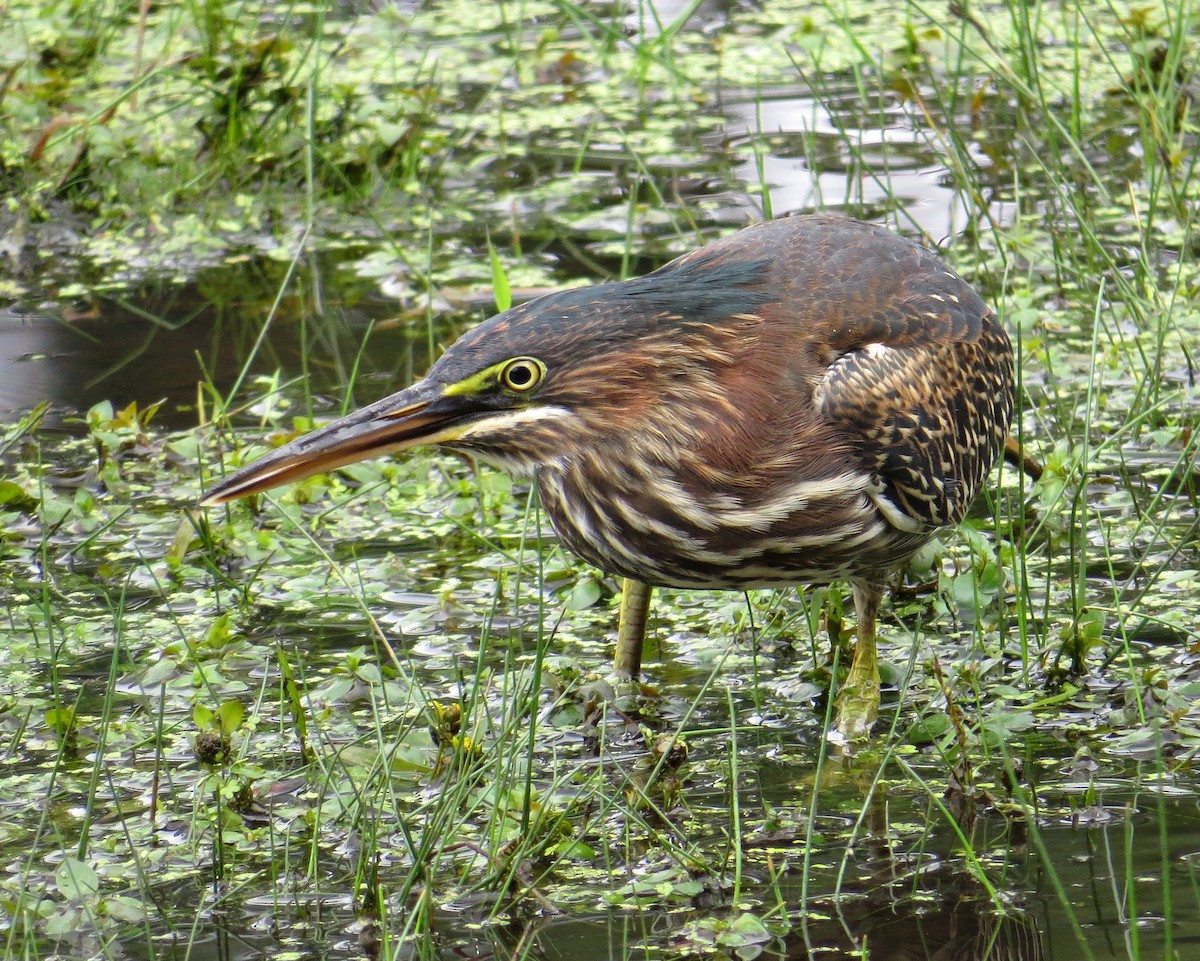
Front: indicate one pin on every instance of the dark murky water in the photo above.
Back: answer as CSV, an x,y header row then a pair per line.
x,y
166,341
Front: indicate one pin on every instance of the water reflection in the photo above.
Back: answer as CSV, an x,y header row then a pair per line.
x,y
905,909
805,163
163,341
838,152
648,20
958,924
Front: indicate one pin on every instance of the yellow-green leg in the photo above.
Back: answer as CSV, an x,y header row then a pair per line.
x,y
631,629
858,699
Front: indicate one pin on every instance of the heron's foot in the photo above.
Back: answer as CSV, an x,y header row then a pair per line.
x,y
622,683
857,706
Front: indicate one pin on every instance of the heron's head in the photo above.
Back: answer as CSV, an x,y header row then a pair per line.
x,y
534,385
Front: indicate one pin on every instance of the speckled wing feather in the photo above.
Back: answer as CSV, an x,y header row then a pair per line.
x,y
918,381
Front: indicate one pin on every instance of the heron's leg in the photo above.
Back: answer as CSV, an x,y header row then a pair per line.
x,y
631,629
1015,455
858,699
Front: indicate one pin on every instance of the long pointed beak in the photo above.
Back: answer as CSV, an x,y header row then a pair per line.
x,y
421,414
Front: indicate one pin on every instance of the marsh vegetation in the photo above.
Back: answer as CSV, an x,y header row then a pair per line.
x,y
369,715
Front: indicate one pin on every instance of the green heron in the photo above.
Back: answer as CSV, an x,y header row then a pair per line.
x,y
806,400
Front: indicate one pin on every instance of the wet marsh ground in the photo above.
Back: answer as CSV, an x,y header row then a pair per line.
x,y
369,715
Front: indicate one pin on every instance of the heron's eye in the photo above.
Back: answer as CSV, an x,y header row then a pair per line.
x,y
522,374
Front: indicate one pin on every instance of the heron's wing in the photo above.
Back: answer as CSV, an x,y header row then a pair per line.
x,y
920,386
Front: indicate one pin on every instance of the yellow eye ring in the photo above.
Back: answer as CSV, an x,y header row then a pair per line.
x,y
522,374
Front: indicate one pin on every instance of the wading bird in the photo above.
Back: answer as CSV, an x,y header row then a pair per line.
x,y
806,400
